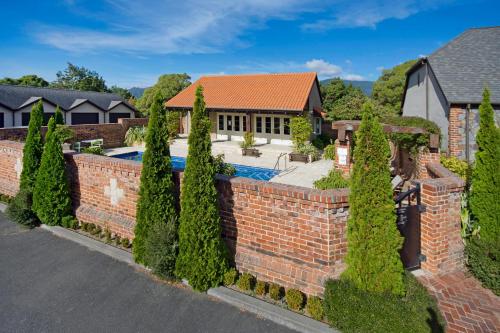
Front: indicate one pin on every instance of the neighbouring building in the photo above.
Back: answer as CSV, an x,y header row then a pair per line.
x,y
260,103
78,107
447,86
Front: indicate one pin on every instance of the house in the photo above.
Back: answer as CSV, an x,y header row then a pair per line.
x,y
447,86
260,103
78,107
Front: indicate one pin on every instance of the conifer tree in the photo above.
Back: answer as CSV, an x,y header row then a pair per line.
x,y
202,256
51,194
58,116
485,191
373,261
156,194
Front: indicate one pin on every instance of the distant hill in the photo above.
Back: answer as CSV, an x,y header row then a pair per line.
x,y
365,86
136,91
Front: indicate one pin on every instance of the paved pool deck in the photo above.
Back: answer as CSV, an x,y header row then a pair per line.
x,y
292,173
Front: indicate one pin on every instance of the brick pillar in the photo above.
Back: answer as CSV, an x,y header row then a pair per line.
x,y
441,242
456,132
343,155
425,156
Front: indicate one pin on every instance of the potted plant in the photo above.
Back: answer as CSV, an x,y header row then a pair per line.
x,y
247,145
301,133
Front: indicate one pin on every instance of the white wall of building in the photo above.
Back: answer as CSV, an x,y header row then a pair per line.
x,y
7,116
121,108
18,114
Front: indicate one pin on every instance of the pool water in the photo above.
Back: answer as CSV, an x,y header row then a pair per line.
x,y
241,170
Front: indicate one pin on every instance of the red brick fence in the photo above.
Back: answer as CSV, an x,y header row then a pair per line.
x,y
286,234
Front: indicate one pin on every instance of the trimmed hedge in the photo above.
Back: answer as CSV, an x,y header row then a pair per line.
x,y
294,299
260,288
230,277
314,307
246,282
334,179
483,260
350,309
275,291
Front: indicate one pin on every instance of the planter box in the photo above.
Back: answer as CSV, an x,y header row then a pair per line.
x,y
250,152
297,157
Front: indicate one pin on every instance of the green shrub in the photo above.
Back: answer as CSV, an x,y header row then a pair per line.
x,y
248,140
483,260
135,135
161,249
455,165
294,299
314,307
69,222
58,116
334,179
118,240
125,242
51,194
275,291
309,149
96,231
203,258
329,152
222,167
260,288
318,143
246,282
107,235
5,198
350,309
93,150
83,226
173,123
373,260
301,130
19,210
156,203
91,227
230,277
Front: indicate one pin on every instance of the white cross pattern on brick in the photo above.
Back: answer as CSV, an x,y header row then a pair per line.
x,y
18,167
113,192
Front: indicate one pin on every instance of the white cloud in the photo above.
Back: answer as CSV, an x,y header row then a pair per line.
x,y
380,68
206,26
323,68
353,77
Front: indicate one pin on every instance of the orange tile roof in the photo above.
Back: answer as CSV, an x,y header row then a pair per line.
x,y
287,91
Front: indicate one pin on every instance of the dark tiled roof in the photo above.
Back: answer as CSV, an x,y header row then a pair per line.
x,y
467,64
15,97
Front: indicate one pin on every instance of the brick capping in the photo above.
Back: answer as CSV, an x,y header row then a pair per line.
x,y
440,172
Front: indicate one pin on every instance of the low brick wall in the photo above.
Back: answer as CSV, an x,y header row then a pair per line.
x,y
113,134
11,161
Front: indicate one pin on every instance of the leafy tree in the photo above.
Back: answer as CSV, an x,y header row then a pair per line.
x,y
26,80
301,130
124,93
202,256
156,201
168,85
388,89
342,102
373,262
79,78
58,116
485,192
333,91
51,195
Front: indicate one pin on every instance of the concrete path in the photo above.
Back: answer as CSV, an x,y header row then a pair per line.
x,y
49,284
465,304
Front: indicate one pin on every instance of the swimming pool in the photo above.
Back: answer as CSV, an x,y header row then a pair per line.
x,y
241,170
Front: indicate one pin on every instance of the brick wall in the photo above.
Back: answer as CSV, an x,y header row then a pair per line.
x,y
424,157
456,132
11,156
113,134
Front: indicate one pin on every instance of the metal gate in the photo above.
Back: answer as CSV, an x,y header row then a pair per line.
x,y
408,222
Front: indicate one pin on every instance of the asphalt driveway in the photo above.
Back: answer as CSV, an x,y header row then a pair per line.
x,y
49,284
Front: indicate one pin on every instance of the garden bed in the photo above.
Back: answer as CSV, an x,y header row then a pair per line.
x,y
298,157
95,232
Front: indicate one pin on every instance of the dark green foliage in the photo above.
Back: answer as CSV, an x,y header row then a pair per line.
x,y
230,277
51,195
202,256
19,210
483,260
118,240
373,261
79,78
321,141
485,190
173,120
69,222
161,249
26,80
168,85
405,121
314,307
58,116
409,141
294,299
125,242
334,179
275,291
107,235
350,309
124,93
246,282
5,198
33,149
156,204
93,150
222,167
389,87
260,288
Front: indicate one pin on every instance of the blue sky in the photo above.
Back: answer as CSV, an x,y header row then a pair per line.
x,y
130,43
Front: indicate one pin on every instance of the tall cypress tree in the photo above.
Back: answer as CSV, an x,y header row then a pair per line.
x,y
373,261
202,256
485,191
156,194
51,194
58,116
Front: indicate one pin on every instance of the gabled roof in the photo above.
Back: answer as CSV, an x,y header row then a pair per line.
x,y
274,92
467,64
16,97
